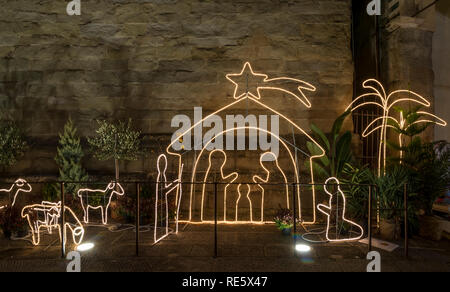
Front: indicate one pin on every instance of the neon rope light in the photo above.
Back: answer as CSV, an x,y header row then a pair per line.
x,y
244,128
254,95
264,79
112,188
259,180
51,214
328,210
19,186
231,177
401,124
247,197
165,189
386,103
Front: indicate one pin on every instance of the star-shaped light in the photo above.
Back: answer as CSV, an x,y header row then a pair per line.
x,y
247,82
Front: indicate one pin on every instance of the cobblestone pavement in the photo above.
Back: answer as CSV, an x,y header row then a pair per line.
x,y
241,249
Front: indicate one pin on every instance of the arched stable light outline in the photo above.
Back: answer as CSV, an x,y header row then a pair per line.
x,y
249,97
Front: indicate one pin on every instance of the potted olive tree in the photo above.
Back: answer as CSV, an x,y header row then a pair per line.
x,y
117,142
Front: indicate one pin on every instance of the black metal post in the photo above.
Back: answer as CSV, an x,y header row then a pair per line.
x,y
369,223
138,216
215,220
406,220
63,222
294,208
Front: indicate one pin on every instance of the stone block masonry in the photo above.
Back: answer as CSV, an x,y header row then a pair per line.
x,y
153,59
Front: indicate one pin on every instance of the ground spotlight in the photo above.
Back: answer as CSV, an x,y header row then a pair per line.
x,y
85,247
302,248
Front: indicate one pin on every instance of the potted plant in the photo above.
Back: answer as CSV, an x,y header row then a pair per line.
x,y
356,185
429,165
116,141
284,220
69,157
390,194
337,146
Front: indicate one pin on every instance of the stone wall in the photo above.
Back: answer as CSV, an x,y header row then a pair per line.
x,y
441,49
153,59
407,54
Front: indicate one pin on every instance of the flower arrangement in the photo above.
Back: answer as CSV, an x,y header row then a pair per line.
x,y
284,219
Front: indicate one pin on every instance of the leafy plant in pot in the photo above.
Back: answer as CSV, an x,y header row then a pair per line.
x,y
356,185
337,146
390,194
429,176
284,220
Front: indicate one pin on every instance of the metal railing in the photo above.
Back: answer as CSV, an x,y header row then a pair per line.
x,y
295,187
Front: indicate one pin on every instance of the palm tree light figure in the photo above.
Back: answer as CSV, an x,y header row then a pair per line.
x,y
386,103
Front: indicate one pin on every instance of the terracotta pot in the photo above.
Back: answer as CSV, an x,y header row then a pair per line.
x,y
389,230
431,227
114,211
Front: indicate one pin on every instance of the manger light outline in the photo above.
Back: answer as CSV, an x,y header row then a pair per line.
x,y
257,178
329,208
51,221
249,190
386,103
249,96
104,209
19,183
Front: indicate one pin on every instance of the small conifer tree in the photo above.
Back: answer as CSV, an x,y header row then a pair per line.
x,y
69,159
